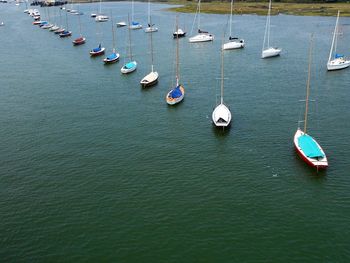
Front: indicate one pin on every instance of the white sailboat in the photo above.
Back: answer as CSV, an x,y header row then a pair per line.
x,y
114,56
176,94
134,24
151,27
306,146
101,17
132,64
336,61
221,115
267,50
234,42
202,36
152,77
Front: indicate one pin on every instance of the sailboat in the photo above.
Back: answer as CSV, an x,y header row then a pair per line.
x,y
99,50
80,40
202,36
60,29
66,32
55,26
151,28
152,77
101,17
221,115
134,24
176,94
132,64
234,42
267,50
306,146
336,61
114,57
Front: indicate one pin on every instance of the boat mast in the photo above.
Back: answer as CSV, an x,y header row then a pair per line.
x,y
222,77
151,39
100,7
130,51
113,34
67,21
132,11
308,85
149,14
334,38
267,28
199,14
177,52
79,21
231,18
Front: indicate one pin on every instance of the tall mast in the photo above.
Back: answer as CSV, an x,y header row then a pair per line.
x,y
335,36
100,7
113,33
149,13
269,22
199,14
150,20
130,51
222,77
132,11
308,85
177,52
231,18
67,21
79,21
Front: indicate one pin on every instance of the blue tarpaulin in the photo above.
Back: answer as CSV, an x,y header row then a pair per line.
x,y
338,56
309,146
96,49
112,56
176,93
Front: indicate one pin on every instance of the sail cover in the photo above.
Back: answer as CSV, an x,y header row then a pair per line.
x,y
176,93
112,56
309,146
338,56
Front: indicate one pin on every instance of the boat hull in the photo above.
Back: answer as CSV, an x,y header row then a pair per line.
x,y
173,101
271,52
151,29
149,80
313,162
111,61
337,64
127,70
233,45
221,116
97,53
134,27
68,34
79,41
201,38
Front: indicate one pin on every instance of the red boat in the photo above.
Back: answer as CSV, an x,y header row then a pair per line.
x,y
79,41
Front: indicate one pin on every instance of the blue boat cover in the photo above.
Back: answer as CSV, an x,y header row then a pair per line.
x,y
130,65
338,56
176,93
97,49
309,146
135,23
112,56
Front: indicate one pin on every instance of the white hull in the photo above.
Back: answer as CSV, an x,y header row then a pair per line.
x,y
134,27
338,63
101,18
315,162
150,79
233,45
121,24
201,38
221,116
271,52
151,29
125,70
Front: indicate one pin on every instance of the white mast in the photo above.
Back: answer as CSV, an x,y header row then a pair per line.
x,y
222,77
177,53
308,86
199,14
231,18
267,28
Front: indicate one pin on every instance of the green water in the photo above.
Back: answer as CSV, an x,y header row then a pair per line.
x,y
93,168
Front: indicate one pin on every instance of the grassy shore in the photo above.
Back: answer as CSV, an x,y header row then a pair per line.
x,y
260,8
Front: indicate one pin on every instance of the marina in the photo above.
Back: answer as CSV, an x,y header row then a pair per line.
x,y
95,166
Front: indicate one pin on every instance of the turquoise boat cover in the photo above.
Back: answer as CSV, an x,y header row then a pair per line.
x,y
176,93
129,65
309,146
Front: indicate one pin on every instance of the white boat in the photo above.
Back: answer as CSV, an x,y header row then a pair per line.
x,y
234,42
177,94
2,24
93,15
121,24
179,33
101,18
202,36
152,77
130,66
267,50
151,27
134,24
336,61
114,56
54,28
221,115
306,146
